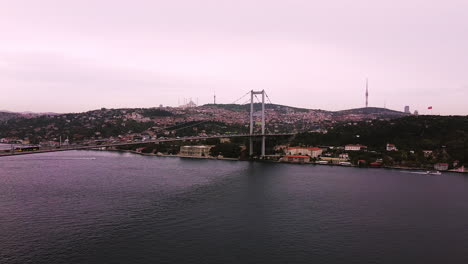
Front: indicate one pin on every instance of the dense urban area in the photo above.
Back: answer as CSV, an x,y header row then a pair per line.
x,y
370,136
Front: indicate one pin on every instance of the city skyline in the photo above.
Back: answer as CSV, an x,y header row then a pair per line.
x,y
74,57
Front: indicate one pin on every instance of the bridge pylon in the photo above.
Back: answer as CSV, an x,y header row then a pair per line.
x,y
252,94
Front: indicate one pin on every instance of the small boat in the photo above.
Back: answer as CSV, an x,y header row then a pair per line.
x,y
433,172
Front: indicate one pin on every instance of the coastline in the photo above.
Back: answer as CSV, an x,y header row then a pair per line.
x,y
272,161
232,159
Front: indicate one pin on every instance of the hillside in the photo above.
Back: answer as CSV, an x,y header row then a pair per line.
x,y
367,113
105,123
8,115
447,136
246,107
370,111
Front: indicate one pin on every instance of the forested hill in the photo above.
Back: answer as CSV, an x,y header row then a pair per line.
x,y
445,133
246,107
375,112
370,110
8,115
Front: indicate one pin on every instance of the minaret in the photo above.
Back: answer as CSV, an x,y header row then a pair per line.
x,y
367,93
214,98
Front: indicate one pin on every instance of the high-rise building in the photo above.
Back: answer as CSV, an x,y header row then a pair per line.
x,y
407,109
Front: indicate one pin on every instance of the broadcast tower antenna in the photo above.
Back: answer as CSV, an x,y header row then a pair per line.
x,y
367,93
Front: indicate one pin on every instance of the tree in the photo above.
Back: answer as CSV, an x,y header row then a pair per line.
x,y
227,150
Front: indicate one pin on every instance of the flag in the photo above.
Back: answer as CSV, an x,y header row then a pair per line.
x,y
430,107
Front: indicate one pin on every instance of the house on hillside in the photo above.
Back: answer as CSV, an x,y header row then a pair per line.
x,y
344,156
391,147
427,153
355,147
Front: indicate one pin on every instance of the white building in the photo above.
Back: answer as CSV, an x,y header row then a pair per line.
x,y
195,151
391,147
308,151
355,147
344,156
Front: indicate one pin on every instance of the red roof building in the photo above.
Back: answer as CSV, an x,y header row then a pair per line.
x,y
391,147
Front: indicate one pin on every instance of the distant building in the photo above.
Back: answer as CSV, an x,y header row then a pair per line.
x,y
441,166
407,110
195,151
309,151
296,158
190,104
355,147
427,153
330,160
416,112
344,156
225,140
391,147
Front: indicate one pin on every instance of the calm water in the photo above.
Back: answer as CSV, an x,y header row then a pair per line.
x,y
98,207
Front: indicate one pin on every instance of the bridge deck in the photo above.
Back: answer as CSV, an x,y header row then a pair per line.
x,y
84,147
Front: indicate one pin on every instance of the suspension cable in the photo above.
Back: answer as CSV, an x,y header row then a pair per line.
x,y
240,98
268,98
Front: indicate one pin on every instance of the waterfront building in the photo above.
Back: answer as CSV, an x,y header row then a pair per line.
x,y
313,152
355,147
335,161
195,151
441,166
296,158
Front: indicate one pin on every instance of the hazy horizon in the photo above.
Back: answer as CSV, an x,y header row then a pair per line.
x,y
61,57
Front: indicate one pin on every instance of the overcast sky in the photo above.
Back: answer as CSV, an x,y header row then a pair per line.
x,y
73,56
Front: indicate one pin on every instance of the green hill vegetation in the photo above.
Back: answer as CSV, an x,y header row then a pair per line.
x,y
447,136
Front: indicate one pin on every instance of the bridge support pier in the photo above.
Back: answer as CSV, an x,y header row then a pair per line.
x,y
252,93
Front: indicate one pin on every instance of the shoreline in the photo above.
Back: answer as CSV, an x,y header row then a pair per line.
x,y
232,159
271,161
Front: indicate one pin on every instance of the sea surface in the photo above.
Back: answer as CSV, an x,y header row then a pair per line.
x,y
106,207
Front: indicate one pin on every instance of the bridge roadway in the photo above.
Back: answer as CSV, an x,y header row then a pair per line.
x,y
96,146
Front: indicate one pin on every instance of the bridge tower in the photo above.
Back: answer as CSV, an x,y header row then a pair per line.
x,y
252,94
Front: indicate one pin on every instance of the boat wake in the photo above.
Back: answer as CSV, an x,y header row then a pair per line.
x,y
423,172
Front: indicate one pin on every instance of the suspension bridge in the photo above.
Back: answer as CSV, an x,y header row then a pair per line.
x,y
253,134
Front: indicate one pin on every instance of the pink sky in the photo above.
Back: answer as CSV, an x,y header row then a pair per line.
x,y
72,56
